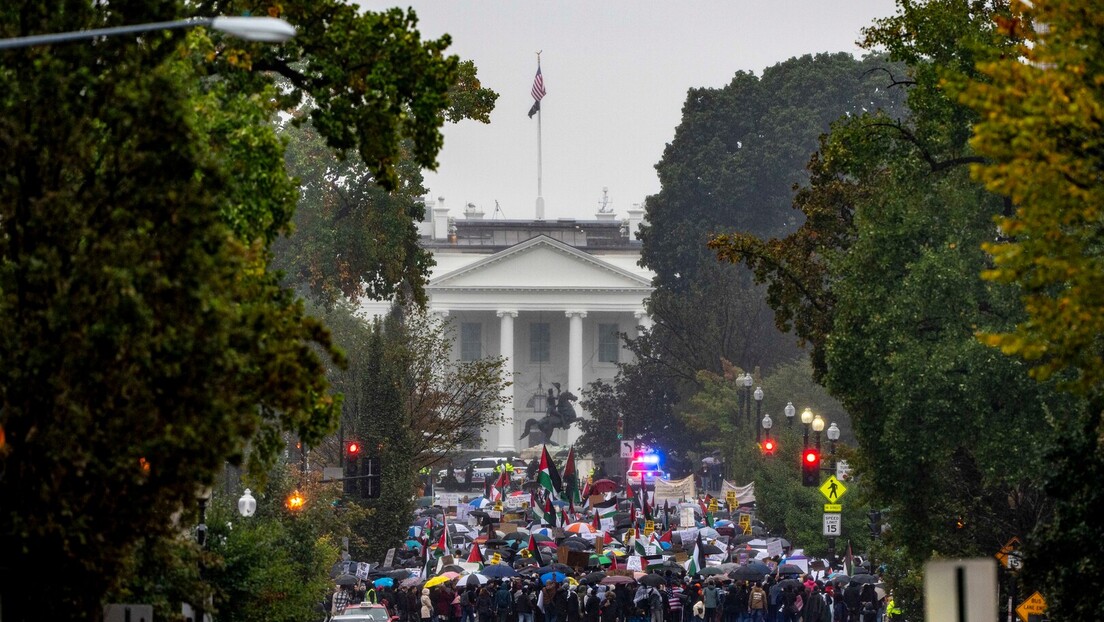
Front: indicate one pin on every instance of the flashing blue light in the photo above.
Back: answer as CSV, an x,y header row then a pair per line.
x,y
649,459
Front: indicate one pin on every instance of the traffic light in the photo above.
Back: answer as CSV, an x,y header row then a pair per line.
x,y
371,476
768,447
810,467
620,428
351,486
875,523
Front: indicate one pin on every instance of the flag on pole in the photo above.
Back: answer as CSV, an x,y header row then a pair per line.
x,y
696,563
644,498
549,517
538,509
444,544
534,550
475,556
538,92
606,509
429,562
849,561
549,475
571,478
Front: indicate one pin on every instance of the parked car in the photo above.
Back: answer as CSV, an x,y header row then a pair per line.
x,y
646,465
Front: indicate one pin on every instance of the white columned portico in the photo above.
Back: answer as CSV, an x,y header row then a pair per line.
x,y
575,364
506,350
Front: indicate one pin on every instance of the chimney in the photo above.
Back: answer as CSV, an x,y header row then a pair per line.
x,y
440,220
636,217
425,224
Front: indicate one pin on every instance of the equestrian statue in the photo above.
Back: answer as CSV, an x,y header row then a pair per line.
x,y
559,413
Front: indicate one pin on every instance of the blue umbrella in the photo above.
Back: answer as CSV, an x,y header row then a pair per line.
x,y
558,577
413,544
498,571
479,502
384,582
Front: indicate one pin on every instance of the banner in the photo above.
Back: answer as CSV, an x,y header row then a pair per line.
x,y
674,490
744,494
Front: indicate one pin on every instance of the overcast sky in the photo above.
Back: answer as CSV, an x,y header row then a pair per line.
x,y
616,73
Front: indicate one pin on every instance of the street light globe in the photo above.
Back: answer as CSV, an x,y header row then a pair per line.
x,y
767,422
758,394
748,380
790,411
818,424
833,432
247,505
807,416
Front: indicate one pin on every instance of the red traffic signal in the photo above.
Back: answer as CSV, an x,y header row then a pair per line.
x,y
810,467
768,446
352,448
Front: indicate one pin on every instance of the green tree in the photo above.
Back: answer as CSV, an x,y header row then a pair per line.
x,y
1040,130
144,342
882,279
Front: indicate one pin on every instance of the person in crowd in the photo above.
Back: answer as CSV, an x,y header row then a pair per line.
x,y
484,605
757,603
674,600
503,602
592,607
426,610
341,599
711,597
467,604
815,608
699,612
547,599
609,609
524,603
574,607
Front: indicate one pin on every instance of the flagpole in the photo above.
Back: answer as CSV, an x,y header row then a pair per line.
x,y
540,193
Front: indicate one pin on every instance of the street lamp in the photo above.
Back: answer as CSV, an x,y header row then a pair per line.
x,y
758,407
748,381
247,505
767,423
263,29
818,427
833,436
203,495
790,412
806,418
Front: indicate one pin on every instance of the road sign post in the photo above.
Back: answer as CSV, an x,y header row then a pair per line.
x,y
960,590
1033,607
831,524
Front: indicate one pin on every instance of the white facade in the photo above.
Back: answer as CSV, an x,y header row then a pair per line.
x,y
549,303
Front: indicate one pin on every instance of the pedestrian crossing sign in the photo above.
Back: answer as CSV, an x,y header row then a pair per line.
x,y
832,489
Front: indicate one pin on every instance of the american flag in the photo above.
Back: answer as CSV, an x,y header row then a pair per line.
x,y
538,93
538,86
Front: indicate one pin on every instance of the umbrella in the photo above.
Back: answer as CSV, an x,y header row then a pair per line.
x,y
411,582
794,583
708,532
516,536
438,580
594,577
479,502
384,582
499,571
652,580
789,569
603,486
472,580
839,578
749,573
615,579
575,544
413,544
556,567
453,568
879,593
710,549
346,579
598,560
399,575
556,577
579,528
711,571
862,579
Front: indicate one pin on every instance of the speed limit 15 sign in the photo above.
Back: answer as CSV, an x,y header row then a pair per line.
x,y
832,524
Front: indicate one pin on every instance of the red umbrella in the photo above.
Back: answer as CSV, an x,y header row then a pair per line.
x,y
603,486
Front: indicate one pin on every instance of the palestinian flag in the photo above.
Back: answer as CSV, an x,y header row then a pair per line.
x,y
475,556
538,509
644,498
548,475
534,550
696,563
848,560
640,547
564,520
429,563
631,494
596,523
444,543
606,509
666,516
666,537
549,512
571,479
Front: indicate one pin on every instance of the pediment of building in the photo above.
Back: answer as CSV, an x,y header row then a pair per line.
x,y
540,263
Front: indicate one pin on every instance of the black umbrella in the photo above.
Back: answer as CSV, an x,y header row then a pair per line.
x,y
451,568
863,579
710,549
557,568
671,565
593,577
399,575
789,569
575,545
346,579
748,573
652,580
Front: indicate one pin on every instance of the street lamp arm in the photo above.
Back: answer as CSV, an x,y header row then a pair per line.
x,y
266,29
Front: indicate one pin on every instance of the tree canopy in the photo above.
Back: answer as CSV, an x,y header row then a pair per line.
x,y
144,341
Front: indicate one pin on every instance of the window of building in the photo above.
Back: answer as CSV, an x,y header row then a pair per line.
x,y
540,342
609,344
471,341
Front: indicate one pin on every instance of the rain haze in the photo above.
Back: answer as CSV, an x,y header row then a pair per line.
x,y
616,75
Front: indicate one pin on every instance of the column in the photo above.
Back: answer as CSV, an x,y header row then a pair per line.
x,y
506,349
643,321
575,366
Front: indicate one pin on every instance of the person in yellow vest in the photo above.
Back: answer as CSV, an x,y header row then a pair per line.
x,y
892,610
509,474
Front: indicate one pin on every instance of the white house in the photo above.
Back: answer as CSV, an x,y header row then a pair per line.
x,y
550,296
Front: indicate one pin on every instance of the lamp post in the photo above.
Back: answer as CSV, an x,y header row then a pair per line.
x,y
790,412
748,381
806,418
818,427
202,497
767,423
758,408
264,29
247,505
833,436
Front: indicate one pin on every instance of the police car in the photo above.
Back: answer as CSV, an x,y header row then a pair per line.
x,y
646,465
